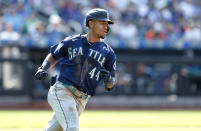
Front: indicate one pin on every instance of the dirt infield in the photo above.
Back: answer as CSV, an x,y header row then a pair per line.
x,y
121,129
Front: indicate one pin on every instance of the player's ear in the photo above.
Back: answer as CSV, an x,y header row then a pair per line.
x,y
90,23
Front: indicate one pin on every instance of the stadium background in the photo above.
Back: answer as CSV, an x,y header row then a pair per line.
x,y
157,42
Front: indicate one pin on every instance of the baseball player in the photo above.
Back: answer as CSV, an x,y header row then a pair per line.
x,y
85,61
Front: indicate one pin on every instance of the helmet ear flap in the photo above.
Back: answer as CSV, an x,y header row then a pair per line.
x,y
87,23
108,30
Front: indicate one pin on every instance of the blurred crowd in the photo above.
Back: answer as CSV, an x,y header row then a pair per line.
x,y
159,78
138,23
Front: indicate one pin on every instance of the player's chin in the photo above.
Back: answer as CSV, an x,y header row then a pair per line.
x,y
103,35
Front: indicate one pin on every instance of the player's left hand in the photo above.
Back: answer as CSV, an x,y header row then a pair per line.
x,y
105,75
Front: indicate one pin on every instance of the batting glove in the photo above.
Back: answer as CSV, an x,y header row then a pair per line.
x,y
41,74
105,75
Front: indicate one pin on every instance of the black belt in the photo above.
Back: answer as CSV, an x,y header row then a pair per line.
x,y
82,90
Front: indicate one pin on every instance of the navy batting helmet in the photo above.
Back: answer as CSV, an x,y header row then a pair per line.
x,y
98,14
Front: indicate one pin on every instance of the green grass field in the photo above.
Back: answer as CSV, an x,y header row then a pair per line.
x,y
24,120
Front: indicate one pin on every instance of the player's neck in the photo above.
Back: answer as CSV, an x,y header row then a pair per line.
x,y
92,37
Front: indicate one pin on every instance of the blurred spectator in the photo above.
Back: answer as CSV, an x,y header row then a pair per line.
x,y
56,30
14,17
29,23
173,83
193,34
128,32
124,78
38,36
170,84
143,81
139,24
188,8
184,82
8,34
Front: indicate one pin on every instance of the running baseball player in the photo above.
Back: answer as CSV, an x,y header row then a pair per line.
x,y
85,61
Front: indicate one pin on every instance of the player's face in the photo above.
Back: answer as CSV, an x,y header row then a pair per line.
x,y
100,28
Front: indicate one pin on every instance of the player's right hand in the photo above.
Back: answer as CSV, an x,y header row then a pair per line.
x,y
41,74
105,75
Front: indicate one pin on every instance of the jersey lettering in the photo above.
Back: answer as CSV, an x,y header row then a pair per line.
x,y
97,75
70,53
80,51
97,56
92,74
101,60
91,51
74,52
115,66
